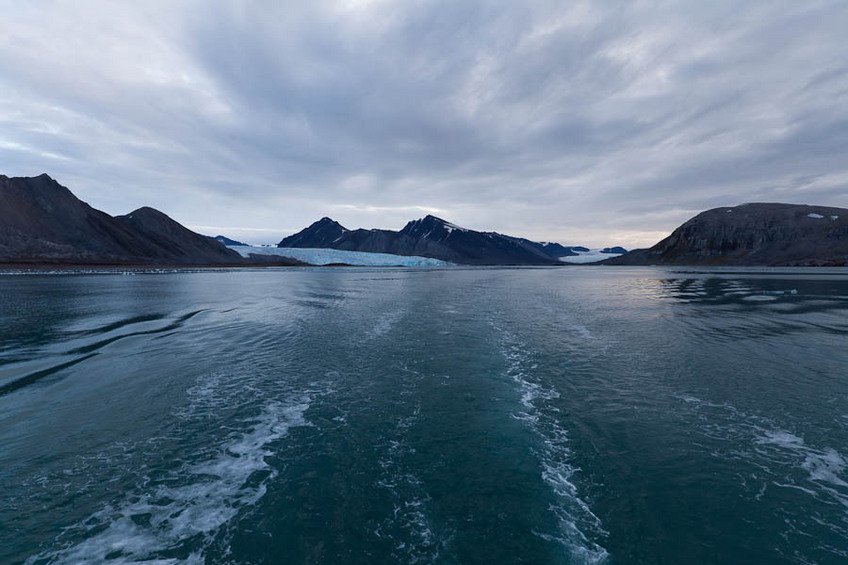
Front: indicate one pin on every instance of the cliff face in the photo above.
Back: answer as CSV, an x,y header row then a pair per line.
x,y
753,234
41,221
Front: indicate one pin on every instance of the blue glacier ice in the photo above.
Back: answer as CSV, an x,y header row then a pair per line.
x,y
588,257
329,256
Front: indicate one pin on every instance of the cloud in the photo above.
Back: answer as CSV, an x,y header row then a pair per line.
x,y
584,122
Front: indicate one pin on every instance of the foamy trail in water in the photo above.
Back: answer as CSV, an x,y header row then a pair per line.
x,y
574,515
410,527
771,459
207,495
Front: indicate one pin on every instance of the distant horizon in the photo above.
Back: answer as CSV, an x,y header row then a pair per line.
x,y
249,239
247,233
586,123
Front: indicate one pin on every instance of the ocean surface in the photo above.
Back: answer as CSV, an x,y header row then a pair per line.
x,y
363,415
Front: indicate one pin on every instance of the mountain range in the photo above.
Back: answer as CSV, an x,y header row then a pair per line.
x,y
435,238
757,234
42,222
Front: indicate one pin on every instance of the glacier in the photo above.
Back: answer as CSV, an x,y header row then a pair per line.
x,y
331,256
588,257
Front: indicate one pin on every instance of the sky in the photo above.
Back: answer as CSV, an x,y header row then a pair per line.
x,y
595,123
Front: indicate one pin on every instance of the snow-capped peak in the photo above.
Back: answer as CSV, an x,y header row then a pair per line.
x,y
431,227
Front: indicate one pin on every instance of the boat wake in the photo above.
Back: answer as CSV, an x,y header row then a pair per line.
x,y
777,465
174,517
538,412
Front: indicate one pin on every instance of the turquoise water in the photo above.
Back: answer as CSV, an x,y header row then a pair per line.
x,y
343,415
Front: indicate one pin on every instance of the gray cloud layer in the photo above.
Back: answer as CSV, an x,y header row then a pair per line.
x,y
583,122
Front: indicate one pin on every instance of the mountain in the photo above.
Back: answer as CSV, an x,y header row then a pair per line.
x,y
173,241
546,250
430,237
229,242
476,248
557,250
41,221
752,234
320,235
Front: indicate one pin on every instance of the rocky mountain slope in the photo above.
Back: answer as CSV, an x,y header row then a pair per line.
x,y
41,221
752,234
229,242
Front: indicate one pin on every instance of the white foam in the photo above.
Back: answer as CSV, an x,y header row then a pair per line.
x,y
571,511
410,506
384,324
826,466
815,216
783,458
780,438
215,493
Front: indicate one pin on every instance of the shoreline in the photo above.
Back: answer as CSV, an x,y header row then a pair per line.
x,y
62,266
32,267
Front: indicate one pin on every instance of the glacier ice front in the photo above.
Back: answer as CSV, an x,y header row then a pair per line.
x,y
589,256
335,256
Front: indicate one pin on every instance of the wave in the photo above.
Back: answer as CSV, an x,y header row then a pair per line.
x,y
22,375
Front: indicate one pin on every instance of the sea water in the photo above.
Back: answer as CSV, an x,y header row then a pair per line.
x,y
360,415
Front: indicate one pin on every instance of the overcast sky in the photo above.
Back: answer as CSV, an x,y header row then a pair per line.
x,y
594,123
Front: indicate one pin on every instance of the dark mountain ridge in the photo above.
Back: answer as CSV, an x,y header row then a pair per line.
x,y
41,221
172,240
322,234
758,234
431,237
229,242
